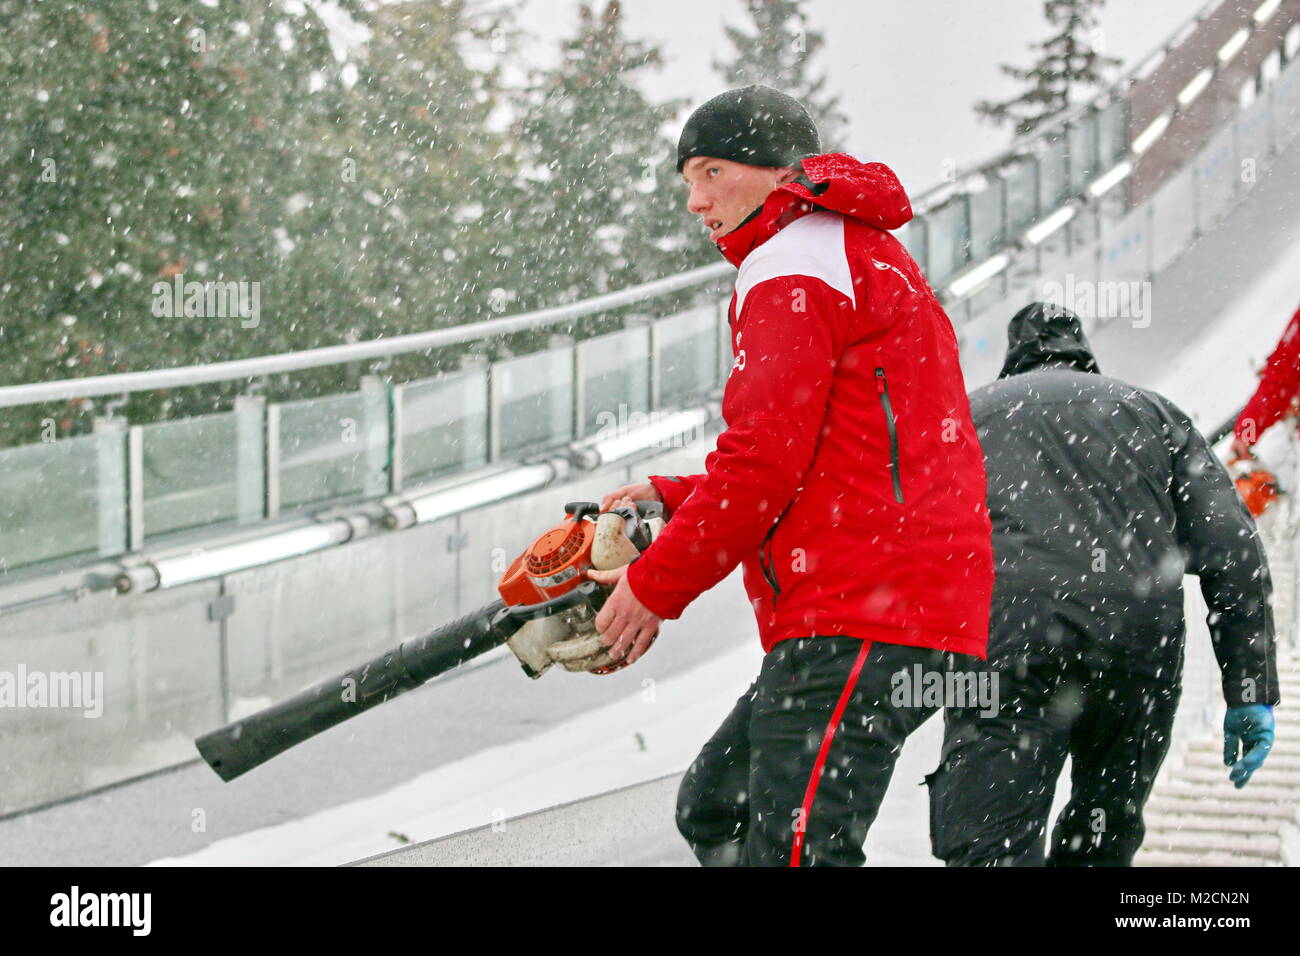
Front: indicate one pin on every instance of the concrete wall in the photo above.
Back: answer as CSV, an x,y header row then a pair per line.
x,y
171,672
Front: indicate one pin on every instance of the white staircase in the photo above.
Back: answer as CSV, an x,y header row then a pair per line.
x,y
1196,817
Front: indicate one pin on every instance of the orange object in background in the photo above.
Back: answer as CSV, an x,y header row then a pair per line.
x,y
1257,486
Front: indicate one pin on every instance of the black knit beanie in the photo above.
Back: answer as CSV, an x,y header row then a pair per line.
x,y
756,125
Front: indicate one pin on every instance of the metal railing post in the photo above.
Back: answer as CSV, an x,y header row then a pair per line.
x,y
135,488
250,458
112,495
396,437
272,461
376,425
655,369
578,371
494,377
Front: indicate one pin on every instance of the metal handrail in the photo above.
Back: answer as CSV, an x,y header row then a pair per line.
x,y
352,352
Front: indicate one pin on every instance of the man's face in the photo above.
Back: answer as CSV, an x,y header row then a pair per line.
x,y
723,192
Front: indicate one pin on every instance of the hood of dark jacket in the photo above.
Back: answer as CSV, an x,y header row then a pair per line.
x,y
1042,334
869,192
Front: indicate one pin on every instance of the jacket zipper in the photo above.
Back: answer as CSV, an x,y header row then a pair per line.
x,y
765,562
882,389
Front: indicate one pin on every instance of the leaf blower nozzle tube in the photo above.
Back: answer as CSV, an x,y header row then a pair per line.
x,y
240,746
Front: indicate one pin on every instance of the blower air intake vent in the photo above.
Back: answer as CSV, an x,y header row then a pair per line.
x,y
555,549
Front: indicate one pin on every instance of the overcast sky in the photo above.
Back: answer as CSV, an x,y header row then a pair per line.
x,y
907,71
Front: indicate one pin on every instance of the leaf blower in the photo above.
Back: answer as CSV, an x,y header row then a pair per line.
x,y
546,615
1256,485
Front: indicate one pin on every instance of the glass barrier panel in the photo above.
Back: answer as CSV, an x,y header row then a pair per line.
x,y
986,221
50,498
1112,134
331,448
1021,184
687,347
1053,257
918,243
444,424
1022,280
616,377
1082,138
1084,229
191,473
912,235
1053,178
535,400
988,297
948,230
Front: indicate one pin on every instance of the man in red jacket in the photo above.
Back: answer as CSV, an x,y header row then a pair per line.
x,y
849,484
1279,385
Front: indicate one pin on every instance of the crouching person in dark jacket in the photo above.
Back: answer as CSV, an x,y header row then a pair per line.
x,y
1102,495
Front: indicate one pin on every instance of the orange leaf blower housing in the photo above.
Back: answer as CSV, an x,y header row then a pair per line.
x,y
552,565
1258,489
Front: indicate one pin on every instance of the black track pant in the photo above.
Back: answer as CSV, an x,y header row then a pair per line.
x,y
991,796
795,774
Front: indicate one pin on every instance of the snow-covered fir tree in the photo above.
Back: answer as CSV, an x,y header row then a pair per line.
x,y
779,53
1070,64
605,209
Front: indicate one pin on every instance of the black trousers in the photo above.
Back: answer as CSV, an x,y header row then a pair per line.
x,y
796,773
992,793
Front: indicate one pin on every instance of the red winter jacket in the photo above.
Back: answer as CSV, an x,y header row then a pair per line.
x,y
849,481
1279,384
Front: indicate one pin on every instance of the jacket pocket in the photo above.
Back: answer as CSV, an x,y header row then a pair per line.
x,y
882,389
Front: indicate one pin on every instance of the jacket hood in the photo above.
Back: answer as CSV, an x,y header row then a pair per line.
x,y
869,192
1043,334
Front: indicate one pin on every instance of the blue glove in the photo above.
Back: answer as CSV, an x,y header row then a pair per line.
x,y
1248,729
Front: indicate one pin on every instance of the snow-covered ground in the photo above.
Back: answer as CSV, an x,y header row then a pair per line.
x,y
654,732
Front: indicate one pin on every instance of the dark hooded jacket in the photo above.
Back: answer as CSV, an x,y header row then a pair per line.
x,y
1102,495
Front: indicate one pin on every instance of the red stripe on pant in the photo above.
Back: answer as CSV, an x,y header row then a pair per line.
x,y
811,792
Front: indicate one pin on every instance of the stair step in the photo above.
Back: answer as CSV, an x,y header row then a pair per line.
x,y
1227,820
1255,792
1268,845
1275,761
1168,858
1266,776
1266,815
1196,817
1285,746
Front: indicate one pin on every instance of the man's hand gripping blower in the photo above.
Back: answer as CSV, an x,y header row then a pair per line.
x,y
546,615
